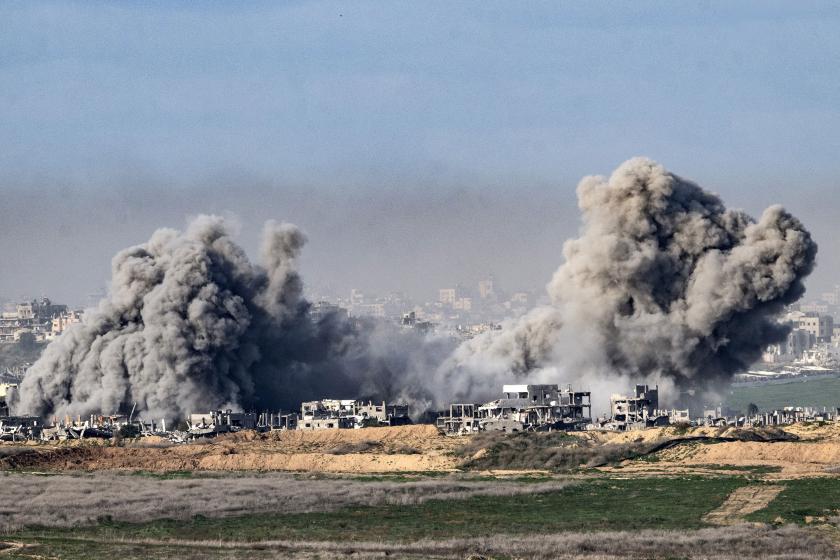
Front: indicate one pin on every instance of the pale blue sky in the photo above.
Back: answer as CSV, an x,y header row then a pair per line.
x,y
418,143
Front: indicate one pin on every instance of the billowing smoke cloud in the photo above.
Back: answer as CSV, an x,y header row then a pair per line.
x,y
664,283
190,324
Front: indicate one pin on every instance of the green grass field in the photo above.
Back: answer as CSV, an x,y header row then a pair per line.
x,y
592,505
823,392
801,499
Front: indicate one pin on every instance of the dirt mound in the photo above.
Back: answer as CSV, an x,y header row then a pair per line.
x,y
781,453
325,462
655,435
767,433
423,448
398,449
421,436
184,459
815,430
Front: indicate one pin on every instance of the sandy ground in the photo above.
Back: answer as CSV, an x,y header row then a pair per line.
x,y
816,452
791,457
372,450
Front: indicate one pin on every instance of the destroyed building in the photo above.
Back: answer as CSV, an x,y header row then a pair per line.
x,y
277,421
638,411
522,408
5,389
221,421
328,414
462,419
20,428
105,427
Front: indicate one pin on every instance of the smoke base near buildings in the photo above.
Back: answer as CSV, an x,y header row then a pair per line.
x,y
664,283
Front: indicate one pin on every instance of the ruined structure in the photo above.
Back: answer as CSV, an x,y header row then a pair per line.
x,y
106,427
279,421
221,421
328,414
522,408
20,428
639,411
462,419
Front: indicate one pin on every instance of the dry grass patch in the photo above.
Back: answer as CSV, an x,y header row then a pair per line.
x,y
70,500
734,543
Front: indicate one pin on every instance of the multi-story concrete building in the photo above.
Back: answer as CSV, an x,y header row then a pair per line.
x,y
462,419
278,421
220,421
820,326
381,413
793,348
486,288
815,307
60,323
15,321
356,297
835,337
522,408
462,304
324,309
447,296
349,413
34,318
639,411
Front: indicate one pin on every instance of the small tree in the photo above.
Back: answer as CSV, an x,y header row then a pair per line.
x,y
129,431
752,409
370,422
27,340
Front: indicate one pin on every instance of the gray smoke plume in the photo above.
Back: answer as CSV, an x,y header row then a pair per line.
x,y
191,324
664,283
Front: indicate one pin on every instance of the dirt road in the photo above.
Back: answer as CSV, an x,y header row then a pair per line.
x,y
742,502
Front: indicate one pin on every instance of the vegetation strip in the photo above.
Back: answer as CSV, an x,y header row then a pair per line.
x,y
788,542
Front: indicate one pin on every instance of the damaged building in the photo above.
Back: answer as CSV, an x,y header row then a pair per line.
x,y
329,414
106,427
640,411
221,421
20,428
461,419
268,421
522,408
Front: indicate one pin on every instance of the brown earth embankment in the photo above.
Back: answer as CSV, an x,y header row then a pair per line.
x,y
372,450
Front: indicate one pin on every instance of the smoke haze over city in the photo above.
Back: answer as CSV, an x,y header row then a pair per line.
x,y
412,159
455,280
664,284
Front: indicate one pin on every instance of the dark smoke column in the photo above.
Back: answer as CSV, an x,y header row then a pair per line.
x,y
192,324
185,327
663,283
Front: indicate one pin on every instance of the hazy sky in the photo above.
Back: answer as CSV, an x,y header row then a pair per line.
x,y
417,143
